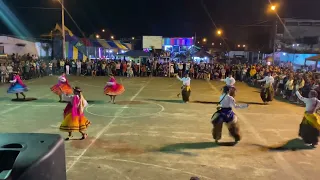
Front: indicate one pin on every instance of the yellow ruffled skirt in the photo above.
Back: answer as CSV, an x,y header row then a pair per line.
x,y
312,119
76,124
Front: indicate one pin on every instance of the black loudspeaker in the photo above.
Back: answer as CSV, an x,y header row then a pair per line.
x,y
32,157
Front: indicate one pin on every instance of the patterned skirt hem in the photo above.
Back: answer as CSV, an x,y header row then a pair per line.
x,y
74,128
111,93
17,91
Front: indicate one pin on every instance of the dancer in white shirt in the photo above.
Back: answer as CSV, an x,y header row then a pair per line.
x,y
267,91
230,81
225,114
185,88
310,125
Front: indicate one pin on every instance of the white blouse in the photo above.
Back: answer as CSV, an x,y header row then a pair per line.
x,y
110,83
227,101
70,99
312,104
62,79
185,81
267,79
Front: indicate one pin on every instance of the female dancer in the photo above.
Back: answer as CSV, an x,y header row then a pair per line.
x,y
113,89
63,87
267,91
185,88
17,86
74,119
310,125
225,114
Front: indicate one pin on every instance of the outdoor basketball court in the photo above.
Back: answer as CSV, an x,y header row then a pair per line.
x,y
150,135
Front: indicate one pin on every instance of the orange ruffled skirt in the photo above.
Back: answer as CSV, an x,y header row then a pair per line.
x,y
76,124
66,89
110,91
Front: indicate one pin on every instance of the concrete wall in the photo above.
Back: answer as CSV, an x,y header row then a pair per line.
x,y
10,46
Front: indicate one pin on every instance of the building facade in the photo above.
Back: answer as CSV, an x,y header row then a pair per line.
x,y
298,36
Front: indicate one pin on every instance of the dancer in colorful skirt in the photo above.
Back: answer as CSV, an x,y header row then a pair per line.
x,y
113,89
310,126
74,119
225,114
230,81
267,91
63,87
17,86
185,88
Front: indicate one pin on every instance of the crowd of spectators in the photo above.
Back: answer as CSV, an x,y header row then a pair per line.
x,y
287,80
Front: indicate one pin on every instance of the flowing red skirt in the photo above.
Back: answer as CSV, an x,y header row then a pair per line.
x,y
66,89
111,91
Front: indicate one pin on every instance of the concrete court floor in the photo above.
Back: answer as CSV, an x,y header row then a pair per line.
x,y
150,135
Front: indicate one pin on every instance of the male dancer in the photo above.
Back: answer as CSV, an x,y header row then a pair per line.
x,y
267,91
310,125
185,88
225,114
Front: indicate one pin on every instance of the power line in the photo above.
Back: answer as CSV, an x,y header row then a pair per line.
x,y
214,24
44,8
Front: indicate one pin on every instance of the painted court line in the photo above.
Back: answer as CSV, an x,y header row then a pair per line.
x,y
19,106
105,129
144,164
283,163
62,105
282,114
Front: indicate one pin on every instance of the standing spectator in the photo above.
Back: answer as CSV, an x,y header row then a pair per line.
x,y
118,66
73,67
62,66
50,68
68,67
54,66
26,73
9,70
78,68
3,72
124,68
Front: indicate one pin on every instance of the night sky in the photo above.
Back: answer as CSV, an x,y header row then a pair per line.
x,y
127,18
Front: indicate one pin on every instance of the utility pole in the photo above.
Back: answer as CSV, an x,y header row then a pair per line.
x,y
274,40
63,31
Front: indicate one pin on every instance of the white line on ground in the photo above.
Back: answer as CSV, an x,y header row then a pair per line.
x,y
105,129
259,114
145,164
63,105
284,164
19,106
